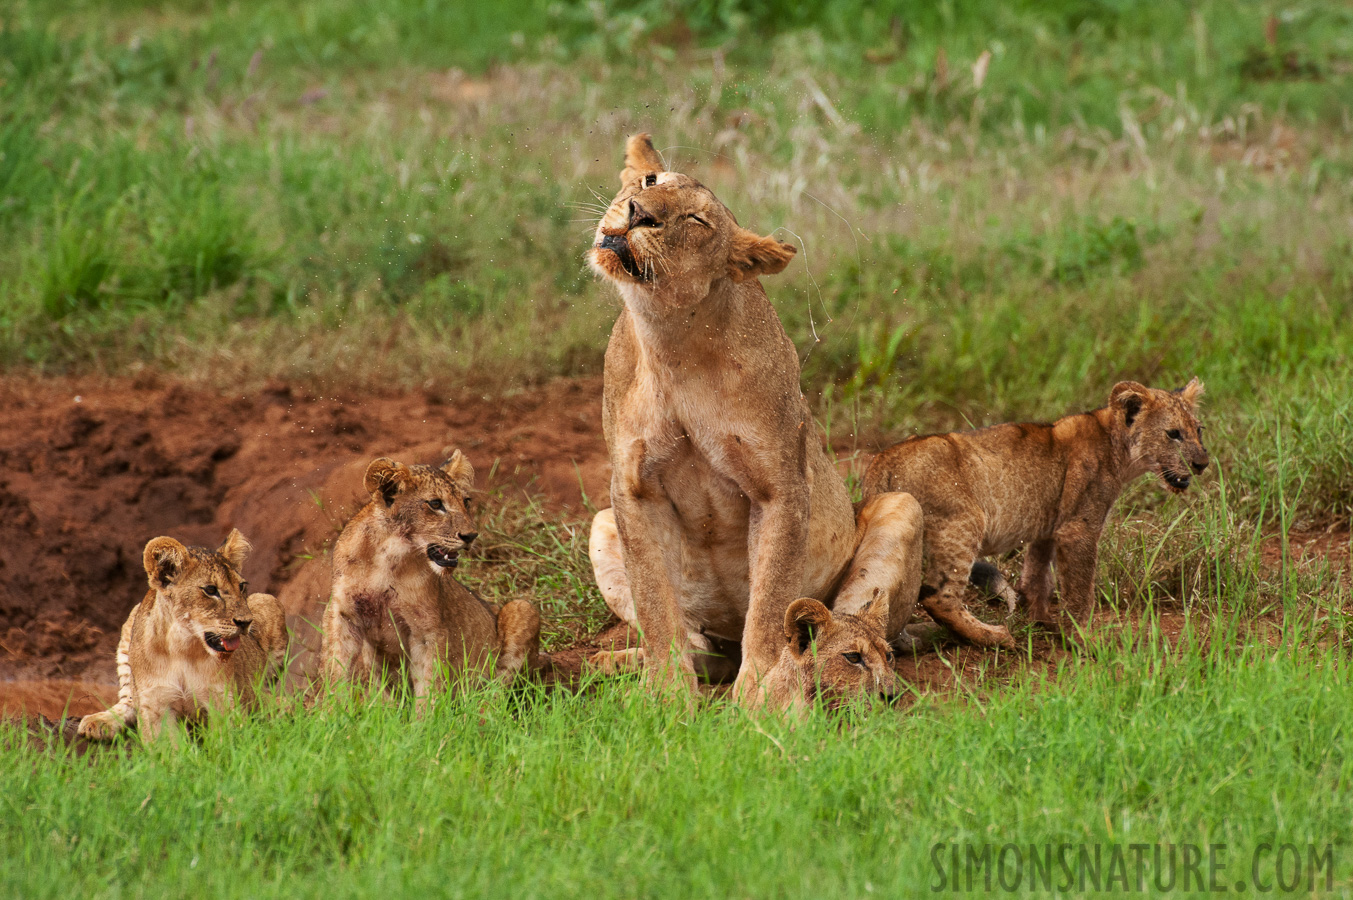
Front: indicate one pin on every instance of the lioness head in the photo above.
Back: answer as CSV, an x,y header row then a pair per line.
x,y
838,658
667,231
427,506
202,589
1163,431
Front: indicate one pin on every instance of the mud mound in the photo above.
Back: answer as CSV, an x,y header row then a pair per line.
x,y
92,469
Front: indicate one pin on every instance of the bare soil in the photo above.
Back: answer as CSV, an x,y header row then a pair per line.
x,y
91,469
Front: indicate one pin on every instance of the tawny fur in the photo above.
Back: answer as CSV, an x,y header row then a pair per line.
x,y
198,641
395,604
1046,488
832,660
726,507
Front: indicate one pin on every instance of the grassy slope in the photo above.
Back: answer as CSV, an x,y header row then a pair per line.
x,y
617,794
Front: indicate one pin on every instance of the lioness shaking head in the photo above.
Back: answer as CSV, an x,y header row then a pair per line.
x,y
394,603
726,508
197,641
1047,488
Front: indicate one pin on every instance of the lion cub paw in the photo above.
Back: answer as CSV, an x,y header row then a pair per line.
x,y
616,662
102,726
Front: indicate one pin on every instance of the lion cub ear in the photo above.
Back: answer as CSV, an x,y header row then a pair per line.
x,y
640,158
235,548
384,478
1191,392
1128,396
164,559
805,620
752,255
459,469
875,615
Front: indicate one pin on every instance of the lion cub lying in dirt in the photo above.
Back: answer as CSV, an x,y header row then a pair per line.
x,y
394,601
832,658
198,641
1048,488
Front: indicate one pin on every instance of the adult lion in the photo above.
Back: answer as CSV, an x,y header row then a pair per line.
x,y
726,508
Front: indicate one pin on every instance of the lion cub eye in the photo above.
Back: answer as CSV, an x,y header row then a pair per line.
x,y
436,505
650,180
854,659
1173,434
212,590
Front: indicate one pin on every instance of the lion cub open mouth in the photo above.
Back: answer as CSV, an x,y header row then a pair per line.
x,y
1177,483
222,645
443,557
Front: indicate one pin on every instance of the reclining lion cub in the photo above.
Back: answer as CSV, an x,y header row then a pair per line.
x,y
726,508
394,601
198,641
1047,488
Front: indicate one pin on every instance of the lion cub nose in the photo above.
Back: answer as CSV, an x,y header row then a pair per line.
x,y
1198,467
640,217
468,537
243,624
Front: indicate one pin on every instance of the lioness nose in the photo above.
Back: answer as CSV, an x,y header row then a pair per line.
x,y
640,217
468,537
243,624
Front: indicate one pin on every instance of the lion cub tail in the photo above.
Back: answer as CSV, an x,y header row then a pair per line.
x,y
104,725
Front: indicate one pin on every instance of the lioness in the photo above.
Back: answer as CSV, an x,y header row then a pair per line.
x,y
726,508
394,601
1048,488
194,643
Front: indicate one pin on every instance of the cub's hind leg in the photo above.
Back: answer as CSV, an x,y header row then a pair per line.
x,y
518,638
953,545
105,725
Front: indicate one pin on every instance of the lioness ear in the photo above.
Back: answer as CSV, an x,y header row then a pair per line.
x,y
1191,392
460,470
384,478
804,621
640,158
1129,397
164,559
753,255
235,548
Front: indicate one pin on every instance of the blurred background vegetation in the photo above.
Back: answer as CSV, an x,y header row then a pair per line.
x,y
1002,207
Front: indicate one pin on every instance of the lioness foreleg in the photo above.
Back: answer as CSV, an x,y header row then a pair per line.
x,y
886,567
778,542
650,536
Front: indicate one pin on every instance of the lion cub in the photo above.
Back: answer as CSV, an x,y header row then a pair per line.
x,y
1047,488
835,659
198,641
394,601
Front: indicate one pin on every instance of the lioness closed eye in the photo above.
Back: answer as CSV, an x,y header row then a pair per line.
x,y
1047,488
198,640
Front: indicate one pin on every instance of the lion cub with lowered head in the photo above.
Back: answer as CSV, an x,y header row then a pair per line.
x,y
394,600
1048,488
197,641
836,659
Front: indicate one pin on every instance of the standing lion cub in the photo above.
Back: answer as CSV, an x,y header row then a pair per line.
x,y
197,641
394,601
1047,488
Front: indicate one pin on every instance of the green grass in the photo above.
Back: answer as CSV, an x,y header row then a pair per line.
x,y
616,793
